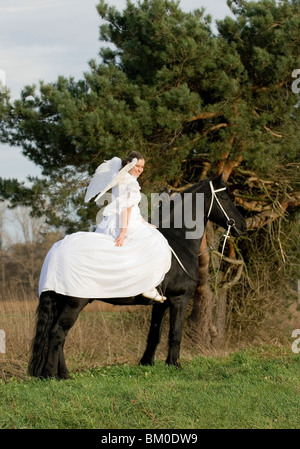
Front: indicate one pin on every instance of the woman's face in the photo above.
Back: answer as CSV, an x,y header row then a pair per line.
x,y
138,169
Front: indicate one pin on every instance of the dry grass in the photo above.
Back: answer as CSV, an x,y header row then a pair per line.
x,y
17,320
107,335
103,334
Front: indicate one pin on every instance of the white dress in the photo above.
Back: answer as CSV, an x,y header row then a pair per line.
x,y
90,265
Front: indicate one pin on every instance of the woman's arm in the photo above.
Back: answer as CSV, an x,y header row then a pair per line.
x,y
125,220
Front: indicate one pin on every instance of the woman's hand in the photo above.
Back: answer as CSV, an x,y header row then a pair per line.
x,y
125,220
120,240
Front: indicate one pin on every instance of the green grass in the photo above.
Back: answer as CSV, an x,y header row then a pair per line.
x,y
251,389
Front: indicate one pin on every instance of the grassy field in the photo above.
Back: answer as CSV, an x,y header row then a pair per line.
x,y
250,389
254,388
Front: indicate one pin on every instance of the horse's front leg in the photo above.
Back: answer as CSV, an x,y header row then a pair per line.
x,y
178,309
157,319
62,370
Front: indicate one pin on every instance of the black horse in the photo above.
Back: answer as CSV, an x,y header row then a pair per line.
x,y
56,313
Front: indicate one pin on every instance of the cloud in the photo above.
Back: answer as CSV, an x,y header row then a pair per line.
x,y
2,77
27,65
42,39
68,21
15,165
21,8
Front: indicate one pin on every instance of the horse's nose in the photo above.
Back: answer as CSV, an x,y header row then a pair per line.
x,y
243,227
239,229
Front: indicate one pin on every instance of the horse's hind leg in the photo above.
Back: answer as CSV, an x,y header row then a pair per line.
x,y
157,319
55,365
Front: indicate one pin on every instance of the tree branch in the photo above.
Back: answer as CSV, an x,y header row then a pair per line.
x,y
214,128
229,260
226,166
204,116
235,280
254,206
267,216
272,132
265,88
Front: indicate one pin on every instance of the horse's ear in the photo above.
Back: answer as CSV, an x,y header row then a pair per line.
x,y
218,181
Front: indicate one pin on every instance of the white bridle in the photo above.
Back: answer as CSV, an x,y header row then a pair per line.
x,y
230,221
225,234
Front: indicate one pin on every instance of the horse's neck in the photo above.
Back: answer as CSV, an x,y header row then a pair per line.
x,y
189,247
178,237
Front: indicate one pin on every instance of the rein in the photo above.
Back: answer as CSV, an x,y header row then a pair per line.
x,y
225,234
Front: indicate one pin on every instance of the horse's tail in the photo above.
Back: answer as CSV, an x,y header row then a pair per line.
x,y
46,317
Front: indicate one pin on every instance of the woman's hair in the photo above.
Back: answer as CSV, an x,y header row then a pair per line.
x,y
130,156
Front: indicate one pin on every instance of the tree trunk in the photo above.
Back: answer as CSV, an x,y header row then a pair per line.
x,y
219,318
207,321
201,318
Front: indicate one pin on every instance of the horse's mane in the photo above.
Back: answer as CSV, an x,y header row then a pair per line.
x,y
171,232
196,187
199,185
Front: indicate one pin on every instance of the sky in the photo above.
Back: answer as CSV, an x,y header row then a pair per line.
x,y
42,39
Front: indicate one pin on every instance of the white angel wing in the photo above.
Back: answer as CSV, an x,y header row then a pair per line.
x,y
107,175
117,178
102,177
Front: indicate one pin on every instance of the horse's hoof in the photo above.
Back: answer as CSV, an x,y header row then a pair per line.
x,y
64,376
146,362
177,364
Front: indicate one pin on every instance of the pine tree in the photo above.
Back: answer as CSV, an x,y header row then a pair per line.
x,y
194,103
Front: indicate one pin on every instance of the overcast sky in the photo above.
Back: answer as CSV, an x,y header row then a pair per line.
x,y
42,39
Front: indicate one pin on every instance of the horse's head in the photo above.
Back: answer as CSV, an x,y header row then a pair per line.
x,y
221,210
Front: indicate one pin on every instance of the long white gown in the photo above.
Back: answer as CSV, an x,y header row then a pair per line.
x,y
90,265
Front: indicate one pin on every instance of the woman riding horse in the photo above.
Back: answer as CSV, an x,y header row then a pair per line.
x,y
59,307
